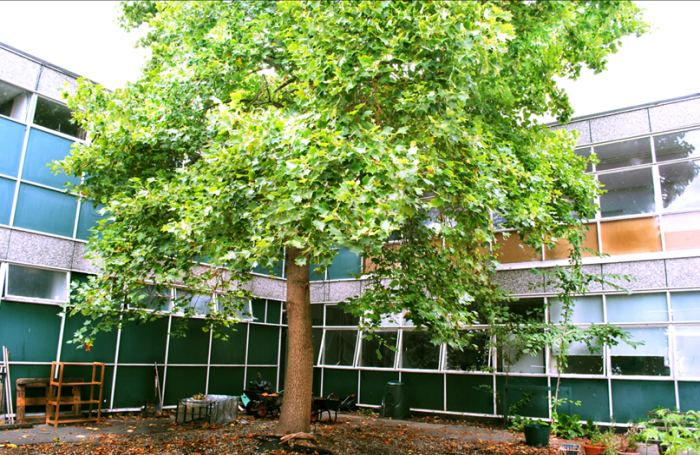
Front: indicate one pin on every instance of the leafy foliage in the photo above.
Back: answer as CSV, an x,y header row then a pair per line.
x,y
259,126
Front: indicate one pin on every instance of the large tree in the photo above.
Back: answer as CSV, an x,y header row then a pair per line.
x,y
398,130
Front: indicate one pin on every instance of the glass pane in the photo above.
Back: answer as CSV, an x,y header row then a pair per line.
x,y
151,297
586,310
56,117
336,316
42,149
682,231
623,154
528,308
580,360
637,308
36,283
45,210
685,306
418,352
241,308
11,141
379,342
316,314
7,195
14,102
89,217
339,347
649,359
585,154
474,357
515,361
513,250
687,342
627,193
344,263
198,302
676,146
562,248
680,185
640,235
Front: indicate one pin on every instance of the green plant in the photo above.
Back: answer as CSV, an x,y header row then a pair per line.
x,y
631,441
610,441
567,427
678,432
593,434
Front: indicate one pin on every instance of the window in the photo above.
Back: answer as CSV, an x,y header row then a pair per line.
x,y
474,357
637,308
42,149
57,117
338,317
680,185
580,360
150,297
198,303
649,359
627,193
14,102
623,154
675,146
339,347
687,355
12,135
586,310
45,210
685,306
377,352
419,352
36,283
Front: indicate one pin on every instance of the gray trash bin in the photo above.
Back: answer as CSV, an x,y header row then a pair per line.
x,y
394,403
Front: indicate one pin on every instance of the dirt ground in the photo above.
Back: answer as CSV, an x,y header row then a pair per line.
x,y
350,434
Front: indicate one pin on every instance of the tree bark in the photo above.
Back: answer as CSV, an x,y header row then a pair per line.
x,y
296,406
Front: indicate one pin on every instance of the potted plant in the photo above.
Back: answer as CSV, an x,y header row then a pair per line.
x,y
595,445
612,445
629,445
537,433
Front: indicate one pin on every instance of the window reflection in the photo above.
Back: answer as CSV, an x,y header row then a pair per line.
x,y
688,357
337,316
649,359
627,193
586,310
580,360
339,347
623,154
474,357
585,154
686,306
674,146
680,185
36,283
419,352
151,297
14,102
637,308
56,117
381,341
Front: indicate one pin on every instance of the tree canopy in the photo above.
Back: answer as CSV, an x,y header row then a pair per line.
x,y
398,130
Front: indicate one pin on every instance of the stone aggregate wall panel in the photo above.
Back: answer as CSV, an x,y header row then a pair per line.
x,y
52,83
319,291
81,263
675,115
4,242
18,70
648,274
683,272
40,250
269,288
584,129
517,281
619,126
588,269
343,290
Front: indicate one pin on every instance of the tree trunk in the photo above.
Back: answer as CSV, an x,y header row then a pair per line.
x,y
296,406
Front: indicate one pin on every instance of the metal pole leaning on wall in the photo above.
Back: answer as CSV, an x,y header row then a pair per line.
x,y
8,385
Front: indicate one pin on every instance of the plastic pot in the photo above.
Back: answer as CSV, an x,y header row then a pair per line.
x,y
537,434
593,450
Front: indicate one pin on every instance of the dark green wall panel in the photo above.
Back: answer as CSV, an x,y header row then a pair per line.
x,y
263,345
135,385
30,331
192,348
317,382
537,407
372,384
85,372
593,395
464,393
231,351
226,380
424,391
632,399
102,350
273,311
258,307
689,394
143,343
339,382
184,382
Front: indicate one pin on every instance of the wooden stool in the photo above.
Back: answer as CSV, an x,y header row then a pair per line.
x,y
23,401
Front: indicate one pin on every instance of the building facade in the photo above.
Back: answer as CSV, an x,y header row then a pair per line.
x,y
648,222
